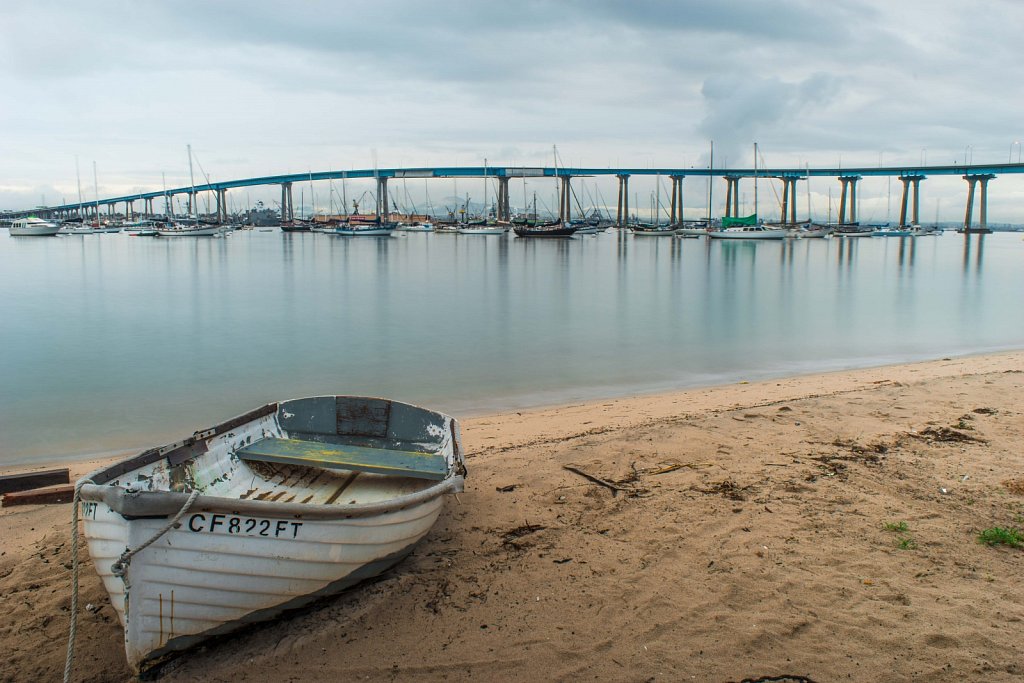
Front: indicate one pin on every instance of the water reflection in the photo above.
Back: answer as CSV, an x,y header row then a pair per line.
x,y
462,322
979,251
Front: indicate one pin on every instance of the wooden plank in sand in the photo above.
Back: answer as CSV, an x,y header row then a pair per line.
x,y
33,480
63,493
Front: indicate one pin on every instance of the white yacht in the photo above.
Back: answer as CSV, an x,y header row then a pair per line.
x,y
33,226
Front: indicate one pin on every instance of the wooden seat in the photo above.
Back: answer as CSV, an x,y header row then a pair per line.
x,y
346,457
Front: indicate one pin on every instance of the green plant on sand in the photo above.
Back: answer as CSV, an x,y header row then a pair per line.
x,y
1001,536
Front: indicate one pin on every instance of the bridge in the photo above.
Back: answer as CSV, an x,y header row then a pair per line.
x,y
976,175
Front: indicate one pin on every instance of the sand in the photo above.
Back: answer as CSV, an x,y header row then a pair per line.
x,y
737,533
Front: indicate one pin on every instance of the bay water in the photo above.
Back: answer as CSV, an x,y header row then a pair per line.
x,y
111,342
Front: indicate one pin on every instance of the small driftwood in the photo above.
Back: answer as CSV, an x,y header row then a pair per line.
x,y
615,488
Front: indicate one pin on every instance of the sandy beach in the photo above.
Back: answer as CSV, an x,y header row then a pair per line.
x,y
822,528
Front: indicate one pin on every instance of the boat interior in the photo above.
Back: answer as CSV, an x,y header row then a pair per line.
x,y
326,450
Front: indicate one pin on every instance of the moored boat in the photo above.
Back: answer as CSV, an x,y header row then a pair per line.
x,y
651,230
481,229
33,227
416,227
692,229
908,231
263,513
553,229
188,228
852,230
748,232
141,228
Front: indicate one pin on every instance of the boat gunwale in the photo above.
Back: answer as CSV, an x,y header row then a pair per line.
x,y
132,503
142,504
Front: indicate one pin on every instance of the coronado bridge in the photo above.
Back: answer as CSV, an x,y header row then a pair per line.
x,y
977,177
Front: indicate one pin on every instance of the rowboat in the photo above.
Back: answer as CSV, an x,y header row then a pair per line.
x,y
263,513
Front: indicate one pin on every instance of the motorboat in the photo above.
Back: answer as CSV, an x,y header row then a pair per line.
x,y
33,227
748,232
263,513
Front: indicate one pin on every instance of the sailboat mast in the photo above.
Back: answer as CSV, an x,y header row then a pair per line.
x,y
808,167
344,193
755,182
487,211
167,199
96,188
78,176
657,203
711,185
192,181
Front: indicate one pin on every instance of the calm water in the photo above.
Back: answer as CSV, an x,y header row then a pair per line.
x,y
112,342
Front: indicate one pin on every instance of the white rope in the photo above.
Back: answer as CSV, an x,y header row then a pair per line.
x,y
119,568
73,629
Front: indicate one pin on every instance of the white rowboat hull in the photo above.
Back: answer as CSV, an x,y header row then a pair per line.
x,y
261,537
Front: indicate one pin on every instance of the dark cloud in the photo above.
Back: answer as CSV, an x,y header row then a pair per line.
x,y
262,87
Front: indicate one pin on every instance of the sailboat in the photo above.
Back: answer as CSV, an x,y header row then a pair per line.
x,y
190,227
747,227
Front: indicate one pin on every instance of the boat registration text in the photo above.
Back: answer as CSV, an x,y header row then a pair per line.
x,y
248,526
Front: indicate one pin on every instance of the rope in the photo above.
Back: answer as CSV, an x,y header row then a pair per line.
x,y
119,568
73,629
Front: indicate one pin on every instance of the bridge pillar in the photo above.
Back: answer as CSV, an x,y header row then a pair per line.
x,y
792,203
732,196
677,199
849,191
504,211
287,210
785,201
916,216
382,199
622,212
221,205
564,202
903,202
972,181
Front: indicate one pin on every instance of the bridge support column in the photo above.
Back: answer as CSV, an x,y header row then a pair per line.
x,y
849,191
906,195
504,210
565,201
382,199
287,210
622,212
677,200
222,206
916,215
973,181
792,202
785,201
732,196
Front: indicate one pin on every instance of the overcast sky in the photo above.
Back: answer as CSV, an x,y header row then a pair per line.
x,y
261,88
